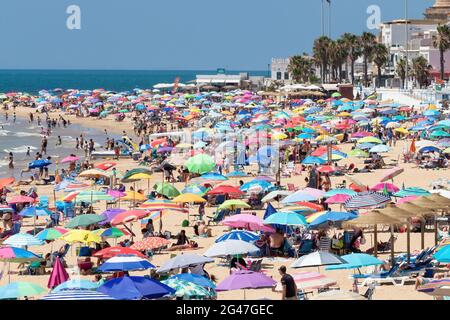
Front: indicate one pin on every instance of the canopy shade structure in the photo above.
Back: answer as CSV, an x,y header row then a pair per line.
x,y
373,217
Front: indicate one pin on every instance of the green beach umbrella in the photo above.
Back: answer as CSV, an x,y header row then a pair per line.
x,y
135,171
336,95
84,220
439,134
20,289
234,204
358,153
201,163
369,140
166,189
188,290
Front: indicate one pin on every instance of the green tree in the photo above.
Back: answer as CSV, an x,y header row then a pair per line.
x,y
321,55
353,44
368,41
401,70
441,41
301,68
421,71
380,58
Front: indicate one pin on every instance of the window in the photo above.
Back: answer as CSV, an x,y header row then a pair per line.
x,y
278,75
286,76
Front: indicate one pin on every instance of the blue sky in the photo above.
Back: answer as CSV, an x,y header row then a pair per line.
x,y
177,34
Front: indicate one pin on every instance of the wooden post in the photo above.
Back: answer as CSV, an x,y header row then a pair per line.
x,y
375,240
435,231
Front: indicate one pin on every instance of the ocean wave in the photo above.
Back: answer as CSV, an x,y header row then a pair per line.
x,y
27,134
21,149
4,163
4,132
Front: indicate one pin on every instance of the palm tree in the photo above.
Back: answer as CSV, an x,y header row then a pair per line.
x,y
421,70
380,58
401,70
441,41
368,41
353,44
300,67
321,55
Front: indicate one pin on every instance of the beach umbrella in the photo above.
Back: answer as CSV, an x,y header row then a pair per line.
x,y
313,160
429,149
317,259
225,189
20,289
23,240
443,254
236,174
82,236
261,184
188,290
233,204
166,189
76,284
239,235
114,251
213,176
298,196
405,199
95,174
129,216
244,279
6,181
70,159
58,275
188,198
135,171
162,205
33,211
412,191
18,255
194,278
380,148
125,263
369,140
338,295
341,191
200,164
150,243
109,214
230,248
84,220
332,216
307,280
389,187
183,261
135,288
20,199
338,199
367,199
195,189
286,218
105,165
51,234
275,194
358,153
41,163
247,221
355,261
133,196
77,294
110,233
392,173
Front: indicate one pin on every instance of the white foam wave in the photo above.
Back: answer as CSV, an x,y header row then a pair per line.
x,y
21,149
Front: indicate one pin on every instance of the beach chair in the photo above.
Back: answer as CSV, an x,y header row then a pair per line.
x,y
292,187
369,293
390,277
306,247
43,201
218,217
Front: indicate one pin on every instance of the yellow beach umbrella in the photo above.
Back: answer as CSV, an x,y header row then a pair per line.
x,y
133,196
432,107
344,114
188,198
401,130
82,236
183,145
140,176
279,136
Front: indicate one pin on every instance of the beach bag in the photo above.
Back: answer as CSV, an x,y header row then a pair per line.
x,y
185,223
337,244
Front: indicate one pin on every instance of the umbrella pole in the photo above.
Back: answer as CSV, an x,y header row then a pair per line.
x,y
392,245
375,240
134,194
435,231
408,240
422,233
244,295
9,272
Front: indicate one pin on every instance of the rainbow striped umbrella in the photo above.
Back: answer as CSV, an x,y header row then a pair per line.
x,y
13,254
20,289
51,234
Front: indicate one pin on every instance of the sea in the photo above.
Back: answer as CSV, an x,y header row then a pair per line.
x,y
32,81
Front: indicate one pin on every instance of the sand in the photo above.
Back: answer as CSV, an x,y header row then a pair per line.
x,y
413,176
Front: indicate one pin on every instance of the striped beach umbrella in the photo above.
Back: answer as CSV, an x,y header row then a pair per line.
x,y
367,199
22,240
125,263
195,278
238,235
77,295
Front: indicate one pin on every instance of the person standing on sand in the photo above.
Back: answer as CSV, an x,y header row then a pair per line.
x,y
44,145
31,117
59,141
14,117
290,290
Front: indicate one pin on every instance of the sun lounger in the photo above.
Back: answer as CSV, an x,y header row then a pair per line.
x,y
385,277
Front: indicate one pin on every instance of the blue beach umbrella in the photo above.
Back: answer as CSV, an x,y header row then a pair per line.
x,y
412,191
236,174
135,288
286,218
313,160
356,260
195,189
213,176
76,284
264,185
333,216
39,164
195,278
443,254
243,235
34,212
125,263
